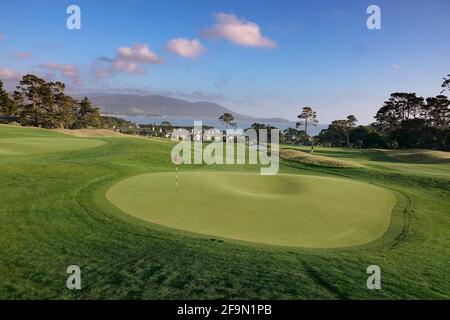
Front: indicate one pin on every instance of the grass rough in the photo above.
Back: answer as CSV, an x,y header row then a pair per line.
x,y
419,155
316,160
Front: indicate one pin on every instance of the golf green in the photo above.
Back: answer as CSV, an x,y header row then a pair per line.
x,y
286,209
32,145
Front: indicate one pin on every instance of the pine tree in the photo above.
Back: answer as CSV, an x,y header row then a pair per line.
x,y
87,115
7,105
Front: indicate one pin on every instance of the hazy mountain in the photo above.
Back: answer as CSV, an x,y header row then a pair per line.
x,y
156,105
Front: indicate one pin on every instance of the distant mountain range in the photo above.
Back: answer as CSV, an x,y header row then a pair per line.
x,y
162,106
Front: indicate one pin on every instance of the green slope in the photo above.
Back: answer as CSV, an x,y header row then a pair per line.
x,y
280,210
53,213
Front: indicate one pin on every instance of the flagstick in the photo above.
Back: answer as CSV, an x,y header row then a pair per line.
x,y
176,178
176,161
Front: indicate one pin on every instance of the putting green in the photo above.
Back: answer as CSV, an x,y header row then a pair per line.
x,y
27,146
285,209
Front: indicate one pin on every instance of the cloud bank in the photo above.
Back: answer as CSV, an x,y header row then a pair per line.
x,y
129,59
69,71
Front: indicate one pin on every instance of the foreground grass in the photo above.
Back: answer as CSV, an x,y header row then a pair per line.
x,y
53,214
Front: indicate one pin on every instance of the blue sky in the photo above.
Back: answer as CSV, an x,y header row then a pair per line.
x,y
317,53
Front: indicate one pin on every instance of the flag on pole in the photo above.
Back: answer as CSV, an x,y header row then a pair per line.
x,y
176,161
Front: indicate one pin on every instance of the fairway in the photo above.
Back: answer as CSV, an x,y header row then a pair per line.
x,y
287,209
28,146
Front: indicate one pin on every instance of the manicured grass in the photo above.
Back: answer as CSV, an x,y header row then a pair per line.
x,y
53,213
8,131
27,146
279,210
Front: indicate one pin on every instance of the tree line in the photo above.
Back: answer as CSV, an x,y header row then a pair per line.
x,y
404,121
36,102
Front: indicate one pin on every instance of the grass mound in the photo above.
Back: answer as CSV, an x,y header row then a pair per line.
x,y
419,155
322,161
82,133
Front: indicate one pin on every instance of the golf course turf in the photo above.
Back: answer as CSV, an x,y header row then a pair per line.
x,y
26,146
54,212
279,210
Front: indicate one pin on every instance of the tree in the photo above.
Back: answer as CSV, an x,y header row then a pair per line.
x,y
87,115
406,120
29,98
400,107
61,108
436,111
7,105
334,135
292,135
446,84
227,119
366,137
361,136
308,116
339,131
261,126
44,104
258,126
349,124
115,123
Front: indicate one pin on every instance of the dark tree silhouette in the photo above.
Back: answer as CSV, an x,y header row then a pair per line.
x,y
7,105
45,104
87,115
307,117
227,119
446,84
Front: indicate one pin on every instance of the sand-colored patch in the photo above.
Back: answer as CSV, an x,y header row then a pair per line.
x,y
83,133
419,155
307,158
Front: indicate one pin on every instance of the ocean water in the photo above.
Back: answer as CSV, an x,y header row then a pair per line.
x,y
177,121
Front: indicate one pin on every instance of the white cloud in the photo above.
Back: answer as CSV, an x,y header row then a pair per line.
x,y
138,53
129,59
238,31
8,74
396,66
127,66
185,47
